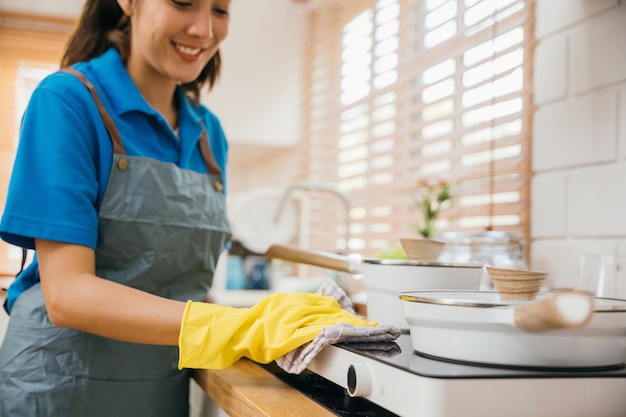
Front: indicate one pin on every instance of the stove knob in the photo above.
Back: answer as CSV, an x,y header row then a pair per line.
x,y
359,380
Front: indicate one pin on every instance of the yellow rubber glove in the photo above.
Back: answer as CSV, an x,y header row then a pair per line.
x,y
215,337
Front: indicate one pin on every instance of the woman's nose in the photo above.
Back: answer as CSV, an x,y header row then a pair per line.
x,y
202,26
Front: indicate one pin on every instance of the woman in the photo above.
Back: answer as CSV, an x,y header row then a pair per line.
x,y
118,186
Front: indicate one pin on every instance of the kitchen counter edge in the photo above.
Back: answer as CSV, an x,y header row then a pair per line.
x,y
246,389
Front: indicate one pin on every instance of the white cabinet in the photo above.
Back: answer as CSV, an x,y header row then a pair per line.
x,y
258,95
200,405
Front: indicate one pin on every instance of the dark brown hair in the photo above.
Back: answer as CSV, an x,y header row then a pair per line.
x,y
103,24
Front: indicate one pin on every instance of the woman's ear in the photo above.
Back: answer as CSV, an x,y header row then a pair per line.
x,y
126,6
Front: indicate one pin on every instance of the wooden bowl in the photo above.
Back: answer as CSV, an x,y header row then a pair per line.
x,y
422,249
516,284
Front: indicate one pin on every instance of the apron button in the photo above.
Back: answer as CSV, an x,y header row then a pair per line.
x,y
122,164
218,186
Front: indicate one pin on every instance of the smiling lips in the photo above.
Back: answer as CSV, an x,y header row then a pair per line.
x,y
188,53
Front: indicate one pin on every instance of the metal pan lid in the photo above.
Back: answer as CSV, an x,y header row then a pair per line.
x,y
488,299
409,262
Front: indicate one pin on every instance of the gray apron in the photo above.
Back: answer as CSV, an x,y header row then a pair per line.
x,y
161,230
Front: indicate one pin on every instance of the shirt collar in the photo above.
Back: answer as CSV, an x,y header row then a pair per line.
x,y
122,92
125,97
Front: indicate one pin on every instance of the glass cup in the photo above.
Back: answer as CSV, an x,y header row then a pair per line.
x,y
602,275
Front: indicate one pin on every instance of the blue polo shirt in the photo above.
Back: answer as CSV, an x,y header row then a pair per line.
x,y
64,156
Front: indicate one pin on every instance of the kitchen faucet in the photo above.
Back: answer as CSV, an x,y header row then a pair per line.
x,y
314,186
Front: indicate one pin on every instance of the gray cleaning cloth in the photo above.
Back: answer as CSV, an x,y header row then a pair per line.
x,y
369,338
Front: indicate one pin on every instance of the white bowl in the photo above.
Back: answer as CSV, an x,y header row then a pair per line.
x,y
386,278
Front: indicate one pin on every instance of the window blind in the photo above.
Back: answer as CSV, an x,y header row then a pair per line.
x,y
399,91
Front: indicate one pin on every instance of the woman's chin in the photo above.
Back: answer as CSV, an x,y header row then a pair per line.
x,y
186,78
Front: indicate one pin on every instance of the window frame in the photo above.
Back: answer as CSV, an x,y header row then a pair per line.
x,y
321,136
23,38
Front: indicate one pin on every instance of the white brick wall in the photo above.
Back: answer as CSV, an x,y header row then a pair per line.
x,y
598,56
555,15
548,210
576,131
578,200
551,75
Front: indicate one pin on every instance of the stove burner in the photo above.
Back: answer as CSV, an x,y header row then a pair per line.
x,y
572,370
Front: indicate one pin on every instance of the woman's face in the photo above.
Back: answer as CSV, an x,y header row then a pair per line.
x,y
174,39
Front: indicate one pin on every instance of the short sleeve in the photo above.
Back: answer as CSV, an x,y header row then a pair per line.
x,y
54,187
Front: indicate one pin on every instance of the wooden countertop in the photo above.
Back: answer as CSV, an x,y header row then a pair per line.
x,y
246,389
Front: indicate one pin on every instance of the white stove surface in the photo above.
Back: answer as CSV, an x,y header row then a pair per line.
x,y
411,385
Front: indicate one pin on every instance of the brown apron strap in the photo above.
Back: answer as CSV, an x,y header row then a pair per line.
x,y
118,146
209,160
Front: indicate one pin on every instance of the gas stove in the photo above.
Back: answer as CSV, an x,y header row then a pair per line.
x,y
410,384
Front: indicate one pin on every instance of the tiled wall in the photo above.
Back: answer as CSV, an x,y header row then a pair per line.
x,y
579,134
